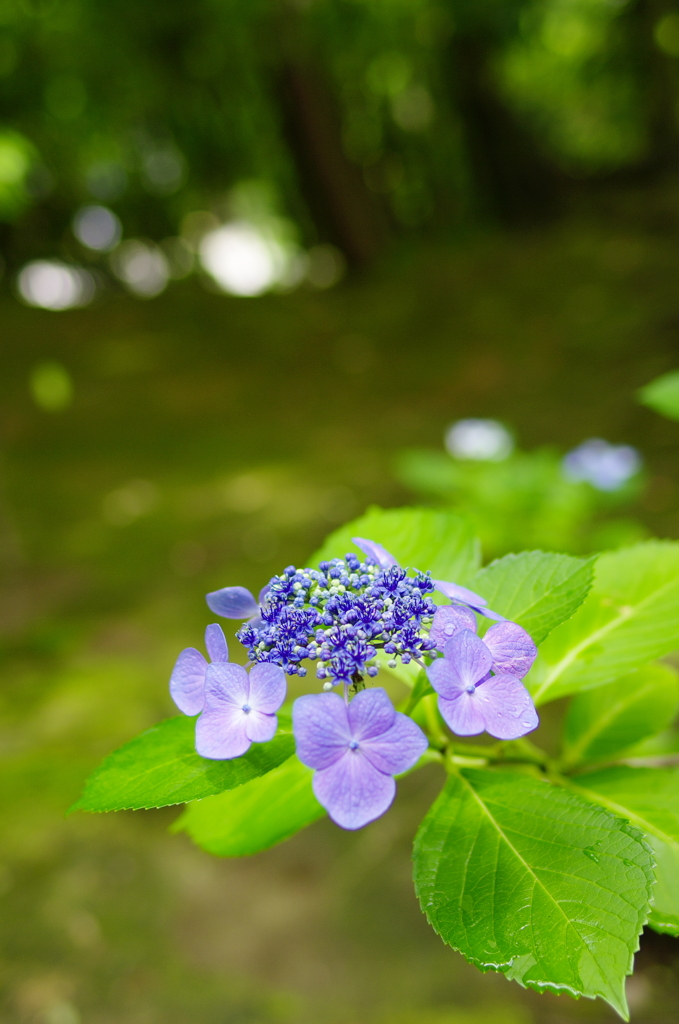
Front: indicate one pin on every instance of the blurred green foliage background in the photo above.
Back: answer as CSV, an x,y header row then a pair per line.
x,y
500,181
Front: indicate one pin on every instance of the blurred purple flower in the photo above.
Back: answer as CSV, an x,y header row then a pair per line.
x,y
472,700
456,593
356,750
187,682
240,709
605,466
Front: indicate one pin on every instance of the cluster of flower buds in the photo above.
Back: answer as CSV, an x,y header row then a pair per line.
x,y
339,616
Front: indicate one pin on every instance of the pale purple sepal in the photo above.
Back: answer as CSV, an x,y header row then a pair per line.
x,y
449,620
508,710
267,687
512,648
353,792
457,593
239,709
467,597
187,682
383,557
215,642
232,603
355,751
467,659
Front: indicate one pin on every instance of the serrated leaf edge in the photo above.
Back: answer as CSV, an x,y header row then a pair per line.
x,y
584,564
557,987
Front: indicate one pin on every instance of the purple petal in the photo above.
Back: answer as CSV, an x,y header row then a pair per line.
x,y
469,656
445,679
232,603
352,791
370,714
449,620
226,685
321,728
488,613
267,688
507,708
512,648
464,715
260,728
187,682
383,558
215,641
263,592
221,733
398,749
457,593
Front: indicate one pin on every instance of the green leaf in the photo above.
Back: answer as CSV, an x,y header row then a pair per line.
x,y
161,767
665,910
662,395
255,816
603,723
537,589
649,798
523,877
630,617
419,538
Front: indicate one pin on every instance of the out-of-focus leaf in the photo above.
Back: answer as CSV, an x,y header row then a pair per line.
x,y
419,538
630,617
537,589
161,767
662,395
649,798
604,722
255,816
534,881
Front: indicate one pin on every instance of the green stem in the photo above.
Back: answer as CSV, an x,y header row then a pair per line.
x,y
439,738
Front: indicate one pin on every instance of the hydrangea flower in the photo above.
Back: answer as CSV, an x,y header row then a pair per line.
x,y
341,614
355,749
187,682
237,709
479,685
240,708
605,466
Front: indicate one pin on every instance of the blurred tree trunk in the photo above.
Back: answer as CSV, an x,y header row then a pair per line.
x,y
343,210
514,182
658,82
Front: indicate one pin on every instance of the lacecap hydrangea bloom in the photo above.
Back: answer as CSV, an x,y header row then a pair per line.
x,y
348,616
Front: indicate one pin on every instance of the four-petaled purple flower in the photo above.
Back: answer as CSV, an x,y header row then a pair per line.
x,y
240,708
237,709
472,700
356,750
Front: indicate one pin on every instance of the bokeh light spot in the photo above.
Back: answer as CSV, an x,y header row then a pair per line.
x,y
97,227
51,387
479,440
142,268
666,34
51,284
240,259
